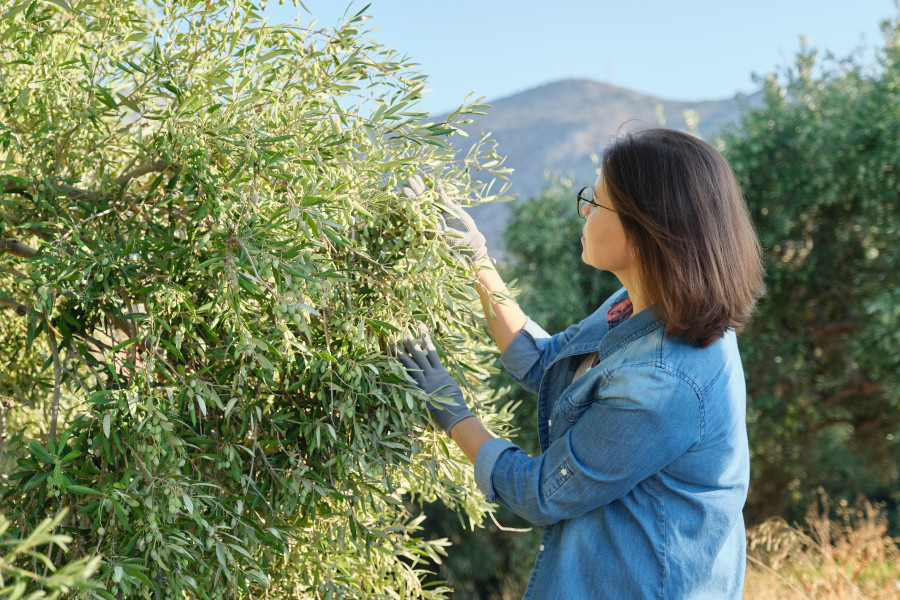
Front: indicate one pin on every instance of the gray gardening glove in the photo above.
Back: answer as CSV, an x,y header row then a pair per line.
x,y
430,375
459,228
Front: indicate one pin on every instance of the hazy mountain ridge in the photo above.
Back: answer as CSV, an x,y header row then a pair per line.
x,y
557,126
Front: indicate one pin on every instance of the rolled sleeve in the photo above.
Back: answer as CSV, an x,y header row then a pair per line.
x,y
525,350
486,462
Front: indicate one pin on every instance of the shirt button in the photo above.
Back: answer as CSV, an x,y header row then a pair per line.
x,y
563,472
549,422
541,548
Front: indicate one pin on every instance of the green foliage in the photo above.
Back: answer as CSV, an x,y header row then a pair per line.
x,y
53,582
206,264
819,168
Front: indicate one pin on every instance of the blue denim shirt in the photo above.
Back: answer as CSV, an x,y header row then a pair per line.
x,y
644,466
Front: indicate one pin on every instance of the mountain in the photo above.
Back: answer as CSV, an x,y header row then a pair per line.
x,y
556,127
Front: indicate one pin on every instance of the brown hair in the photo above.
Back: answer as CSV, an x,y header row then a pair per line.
x,y
685,218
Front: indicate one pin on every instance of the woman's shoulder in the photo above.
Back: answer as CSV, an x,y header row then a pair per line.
x,y
652,350
700,365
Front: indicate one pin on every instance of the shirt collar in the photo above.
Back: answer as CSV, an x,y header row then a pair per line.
x,y
618,312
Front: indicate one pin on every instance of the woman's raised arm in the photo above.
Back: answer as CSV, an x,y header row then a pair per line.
x,y
505,318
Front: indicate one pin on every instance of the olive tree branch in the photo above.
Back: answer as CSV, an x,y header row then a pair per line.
x,y
82,222
91,368
157,166
3,409
252,264
12,271
17,248
97,343
76,193
57,381
12,187
22,310
71,374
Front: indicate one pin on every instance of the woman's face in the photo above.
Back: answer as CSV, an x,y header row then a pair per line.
x,y
603,238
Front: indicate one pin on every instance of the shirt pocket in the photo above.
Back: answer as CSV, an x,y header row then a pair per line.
x,y
571,406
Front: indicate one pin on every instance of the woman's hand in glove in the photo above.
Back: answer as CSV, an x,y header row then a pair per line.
x,y
430,375
459,228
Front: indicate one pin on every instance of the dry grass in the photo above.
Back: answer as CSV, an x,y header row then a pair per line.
x,y
847,557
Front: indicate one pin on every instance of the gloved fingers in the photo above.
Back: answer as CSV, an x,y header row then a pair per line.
x,y
412,368
414,352
467,219
439,188
430,351
432,355
414,187
449,209
456,218
405,359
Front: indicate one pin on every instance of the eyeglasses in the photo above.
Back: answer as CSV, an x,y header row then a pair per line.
x,y
586,195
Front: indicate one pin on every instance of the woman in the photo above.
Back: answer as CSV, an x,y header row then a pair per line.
x,y
641,417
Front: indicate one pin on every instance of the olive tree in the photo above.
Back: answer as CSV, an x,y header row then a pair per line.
x,y
205,264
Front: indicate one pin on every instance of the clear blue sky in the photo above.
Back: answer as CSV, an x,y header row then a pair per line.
x,y
674,49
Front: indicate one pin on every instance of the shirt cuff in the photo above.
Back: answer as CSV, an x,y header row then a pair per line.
x,y
486,460
523,352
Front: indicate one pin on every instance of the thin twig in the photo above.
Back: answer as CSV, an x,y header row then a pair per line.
x,y
252,264
502,528
158,166
125,327
97,343
83,221
90,367
75,193
71,191
84,387
22,310
12,271
2,431
57,381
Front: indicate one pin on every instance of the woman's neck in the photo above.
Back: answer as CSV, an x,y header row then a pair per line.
x,y
638,302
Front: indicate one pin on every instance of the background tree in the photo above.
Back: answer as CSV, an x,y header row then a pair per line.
x,y
205,263
820,168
